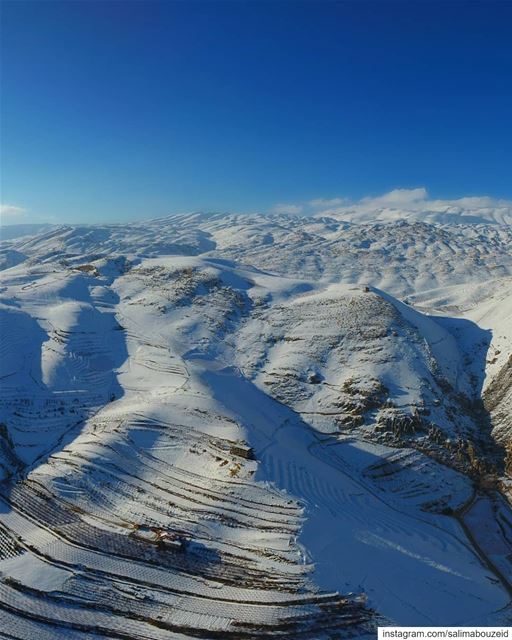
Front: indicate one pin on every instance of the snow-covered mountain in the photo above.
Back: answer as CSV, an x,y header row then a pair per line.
x,y
243,426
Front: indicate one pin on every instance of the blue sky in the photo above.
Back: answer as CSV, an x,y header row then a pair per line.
x,y
122,110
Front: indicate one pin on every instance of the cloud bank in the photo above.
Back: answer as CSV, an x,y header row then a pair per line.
x,y
409,204
11,211
288,208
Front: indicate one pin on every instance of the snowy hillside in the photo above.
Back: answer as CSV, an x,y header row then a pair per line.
x,y
227,426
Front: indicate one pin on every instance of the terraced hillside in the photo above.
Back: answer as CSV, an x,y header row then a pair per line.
x,y
218,427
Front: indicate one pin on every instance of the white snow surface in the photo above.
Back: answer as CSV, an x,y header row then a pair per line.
x,y
136,360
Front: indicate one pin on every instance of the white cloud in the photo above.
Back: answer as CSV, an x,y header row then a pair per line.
x,y
326,202
288,208
11,211
397,198
416,204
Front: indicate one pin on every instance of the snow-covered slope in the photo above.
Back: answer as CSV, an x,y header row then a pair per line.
x,y
231,427
401,257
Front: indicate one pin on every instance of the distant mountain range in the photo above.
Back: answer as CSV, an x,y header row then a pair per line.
x,y
11,231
